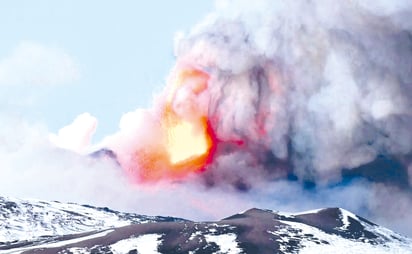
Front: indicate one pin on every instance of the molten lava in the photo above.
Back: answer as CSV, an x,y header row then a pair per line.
x,y
188,141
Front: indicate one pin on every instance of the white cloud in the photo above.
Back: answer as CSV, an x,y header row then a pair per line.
x,y
35,64
77,135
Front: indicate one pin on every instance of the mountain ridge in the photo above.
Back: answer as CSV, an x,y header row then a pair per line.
x,y
252,231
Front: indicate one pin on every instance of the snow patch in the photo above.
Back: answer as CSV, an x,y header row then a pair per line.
x,y
290,214
60,243
145,244
339,245
308,212
227,243
76,250
29,219
344,215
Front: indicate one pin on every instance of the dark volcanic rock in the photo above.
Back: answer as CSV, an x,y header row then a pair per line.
x,y
254,231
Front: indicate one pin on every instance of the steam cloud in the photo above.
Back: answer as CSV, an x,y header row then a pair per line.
x,y
303,98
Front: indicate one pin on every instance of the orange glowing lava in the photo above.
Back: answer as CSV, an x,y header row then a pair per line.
x,y
188,141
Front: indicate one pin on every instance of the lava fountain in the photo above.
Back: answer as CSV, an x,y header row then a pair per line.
x,y
187,142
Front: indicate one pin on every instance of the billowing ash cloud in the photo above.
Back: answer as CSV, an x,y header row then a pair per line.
x,y
304,89
325,85
317,93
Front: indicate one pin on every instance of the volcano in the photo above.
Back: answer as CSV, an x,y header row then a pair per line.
x,y
33,226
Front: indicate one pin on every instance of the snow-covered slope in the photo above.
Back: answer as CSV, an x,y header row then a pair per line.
x,y
331,230
336,230
31,219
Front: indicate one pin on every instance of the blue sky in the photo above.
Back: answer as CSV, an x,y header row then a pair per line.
x,y
119,51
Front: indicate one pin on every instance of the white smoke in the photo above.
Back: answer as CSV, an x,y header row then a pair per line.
x,y
76,136
309,88
330,80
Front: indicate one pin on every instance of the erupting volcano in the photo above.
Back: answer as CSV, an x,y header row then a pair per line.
x,y
187,142
266,93
285,105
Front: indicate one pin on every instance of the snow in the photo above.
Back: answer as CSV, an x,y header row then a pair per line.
x,y
301,213
226,242
345,218
77,251
339,245
145,244
194,235
30,219
290,214
60,243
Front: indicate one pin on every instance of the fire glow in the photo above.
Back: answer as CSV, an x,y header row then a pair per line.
x,y
185,141
188,141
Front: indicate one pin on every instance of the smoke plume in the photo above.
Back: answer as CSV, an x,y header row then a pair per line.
x,y
316,94
304,88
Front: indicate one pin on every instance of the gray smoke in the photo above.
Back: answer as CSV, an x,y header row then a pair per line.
x,y
324,85
310,104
